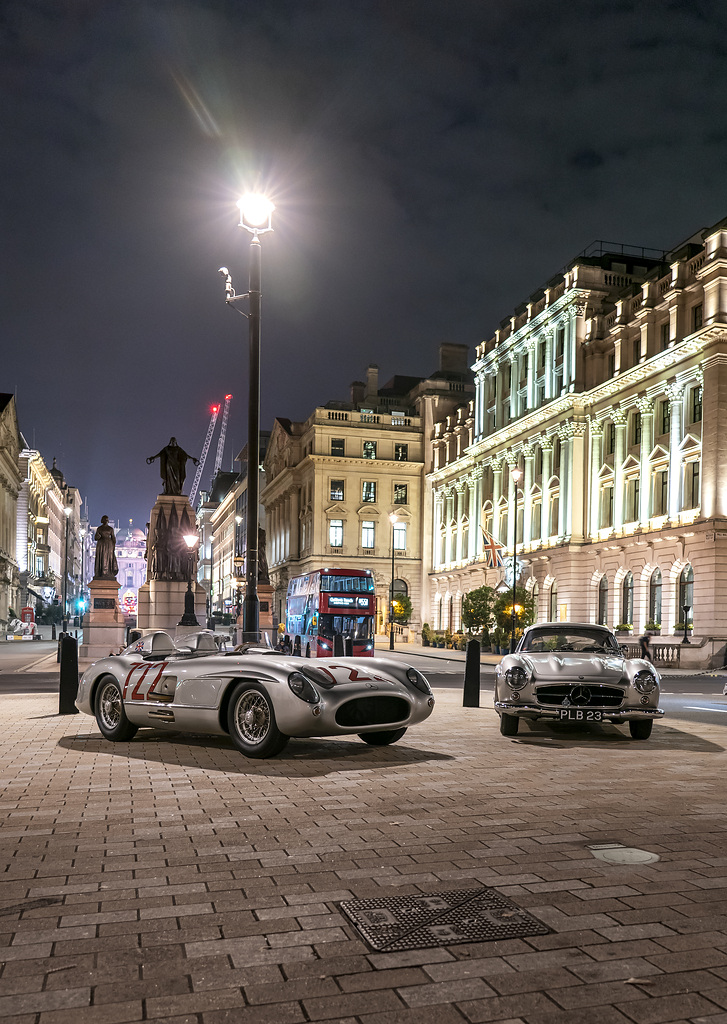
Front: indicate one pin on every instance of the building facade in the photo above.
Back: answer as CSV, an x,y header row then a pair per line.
x,y
336,481
597,389
10,481
38,525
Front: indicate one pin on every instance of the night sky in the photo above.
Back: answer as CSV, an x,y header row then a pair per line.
x,y
432,164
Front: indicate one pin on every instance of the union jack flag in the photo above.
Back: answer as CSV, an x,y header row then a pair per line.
x,y
493,550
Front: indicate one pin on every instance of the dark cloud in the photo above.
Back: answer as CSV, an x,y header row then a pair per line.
x,y
432,162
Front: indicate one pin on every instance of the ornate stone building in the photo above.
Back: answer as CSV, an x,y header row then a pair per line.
x,y
334,480
40,509
10,481
596,388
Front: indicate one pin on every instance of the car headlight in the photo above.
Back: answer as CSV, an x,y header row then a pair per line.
x,y
418,680
644,681
516,677
303,688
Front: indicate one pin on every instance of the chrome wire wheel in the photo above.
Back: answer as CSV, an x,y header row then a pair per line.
x,y
251,721
110,706
253,716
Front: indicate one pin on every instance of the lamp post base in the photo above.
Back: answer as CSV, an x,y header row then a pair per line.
x,y
189,618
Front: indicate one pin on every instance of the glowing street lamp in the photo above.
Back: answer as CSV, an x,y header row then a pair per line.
x,y
67,512
189,618
256,213
515,607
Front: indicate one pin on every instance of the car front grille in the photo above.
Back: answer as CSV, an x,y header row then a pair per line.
x,y
580,695
372,711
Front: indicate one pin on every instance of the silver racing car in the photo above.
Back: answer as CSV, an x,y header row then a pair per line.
x,y
575,672
257,696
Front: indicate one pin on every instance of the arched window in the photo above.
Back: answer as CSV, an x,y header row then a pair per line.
x,y
400,589
686,594
554,511
603,601
627,599
535,593
535,525
553,610
655,597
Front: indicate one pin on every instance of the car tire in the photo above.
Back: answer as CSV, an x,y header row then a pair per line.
x,y
383,738
251,722
108,706
640,728
509,724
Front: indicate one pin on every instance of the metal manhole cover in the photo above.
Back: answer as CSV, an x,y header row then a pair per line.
x,y
397,923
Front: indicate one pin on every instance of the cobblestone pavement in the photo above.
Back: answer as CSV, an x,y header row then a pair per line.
x,y
170,879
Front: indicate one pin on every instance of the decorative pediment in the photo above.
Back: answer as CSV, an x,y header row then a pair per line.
x,y
631,465
368,510
336,511
690,444
606,473
658,452
535,491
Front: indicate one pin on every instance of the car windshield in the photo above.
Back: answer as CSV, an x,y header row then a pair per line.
x,y
543,641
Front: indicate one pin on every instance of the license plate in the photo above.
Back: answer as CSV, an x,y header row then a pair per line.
x,y
580,715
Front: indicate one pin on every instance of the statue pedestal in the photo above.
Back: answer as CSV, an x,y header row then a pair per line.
x,y
169,563
104,632
161,606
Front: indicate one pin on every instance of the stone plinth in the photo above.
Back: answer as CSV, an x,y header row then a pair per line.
x,y
104,631
161,606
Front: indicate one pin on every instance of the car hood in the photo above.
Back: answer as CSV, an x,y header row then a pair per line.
x,y
590,667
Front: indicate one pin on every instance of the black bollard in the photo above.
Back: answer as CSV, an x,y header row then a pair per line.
x,y
58,652
53,631
307,650
348,646
337,646
296,647
68,688
471,692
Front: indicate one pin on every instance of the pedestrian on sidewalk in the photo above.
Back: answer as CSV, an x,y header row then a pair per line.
x,y
645,645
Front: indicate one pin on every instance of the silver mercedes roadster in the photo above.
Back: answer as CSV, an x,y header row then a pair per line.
x,y
257,696
575,672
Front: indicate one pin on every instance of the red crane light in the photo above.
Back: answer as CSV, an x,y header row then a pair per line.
x,y
227,397
215,408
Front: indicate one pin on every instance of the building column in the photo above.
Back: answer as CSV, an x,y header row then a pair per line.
x,y
578,525
596,435
514,382
531,374
474,515
458,553
496,495
548,364
646,409
511,525
713,497
498,377
619,455
448,516
529,462
563,479
437,532
546,446
675,393
294,524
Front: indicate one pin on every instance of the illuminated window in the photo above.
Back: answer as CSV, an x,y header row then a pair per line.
x,y
335,533
686,594
369,449
399,536
655,597
696,317
665,417
336,490
338,446
636,428
627,599
697,404
401,453
691,473
603,601
368,490
607,506
553,603
661,492
400,495
367,534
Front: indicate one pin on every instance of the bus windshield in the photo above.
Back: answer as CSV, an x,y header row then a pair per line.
x,y
360,627
347,584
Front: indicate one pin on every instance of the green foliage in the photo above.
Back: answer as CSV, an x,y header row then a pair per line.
x,y
427,632
402,608
624,627
478,610
524,611
47,613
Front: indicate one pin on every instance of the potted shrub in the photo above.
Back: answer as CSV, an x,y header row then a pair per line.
x,y
426,634
448,640
625,627
653,627
679,628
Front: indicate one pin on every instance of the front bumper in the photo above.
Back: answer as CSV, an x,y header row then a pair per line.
x,y
607,714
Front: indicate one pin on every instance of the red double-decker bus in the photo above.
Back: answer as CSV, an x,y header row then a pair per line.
x,y
329,602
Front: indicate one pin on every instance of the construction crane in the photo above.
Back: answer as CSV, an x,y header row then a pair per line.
x,y
223,434
203,456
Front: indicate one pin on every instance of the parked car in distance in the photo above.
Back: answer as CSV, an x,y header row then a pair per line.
x,y
575,672
256,695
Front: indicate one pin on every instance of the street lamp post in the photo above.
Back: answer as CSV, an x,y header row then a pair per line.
x,y
189,618
686,608
255,216
67,512
82,607
516,479
393,520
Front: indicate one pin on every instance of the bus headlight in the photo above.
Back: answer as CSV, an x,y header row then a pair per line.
x,y
516,677
644,681
418,680
303,688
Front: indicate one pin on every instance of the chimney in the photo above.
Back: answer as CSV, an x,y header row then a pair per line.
x,y
358,390
453,358
372,383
